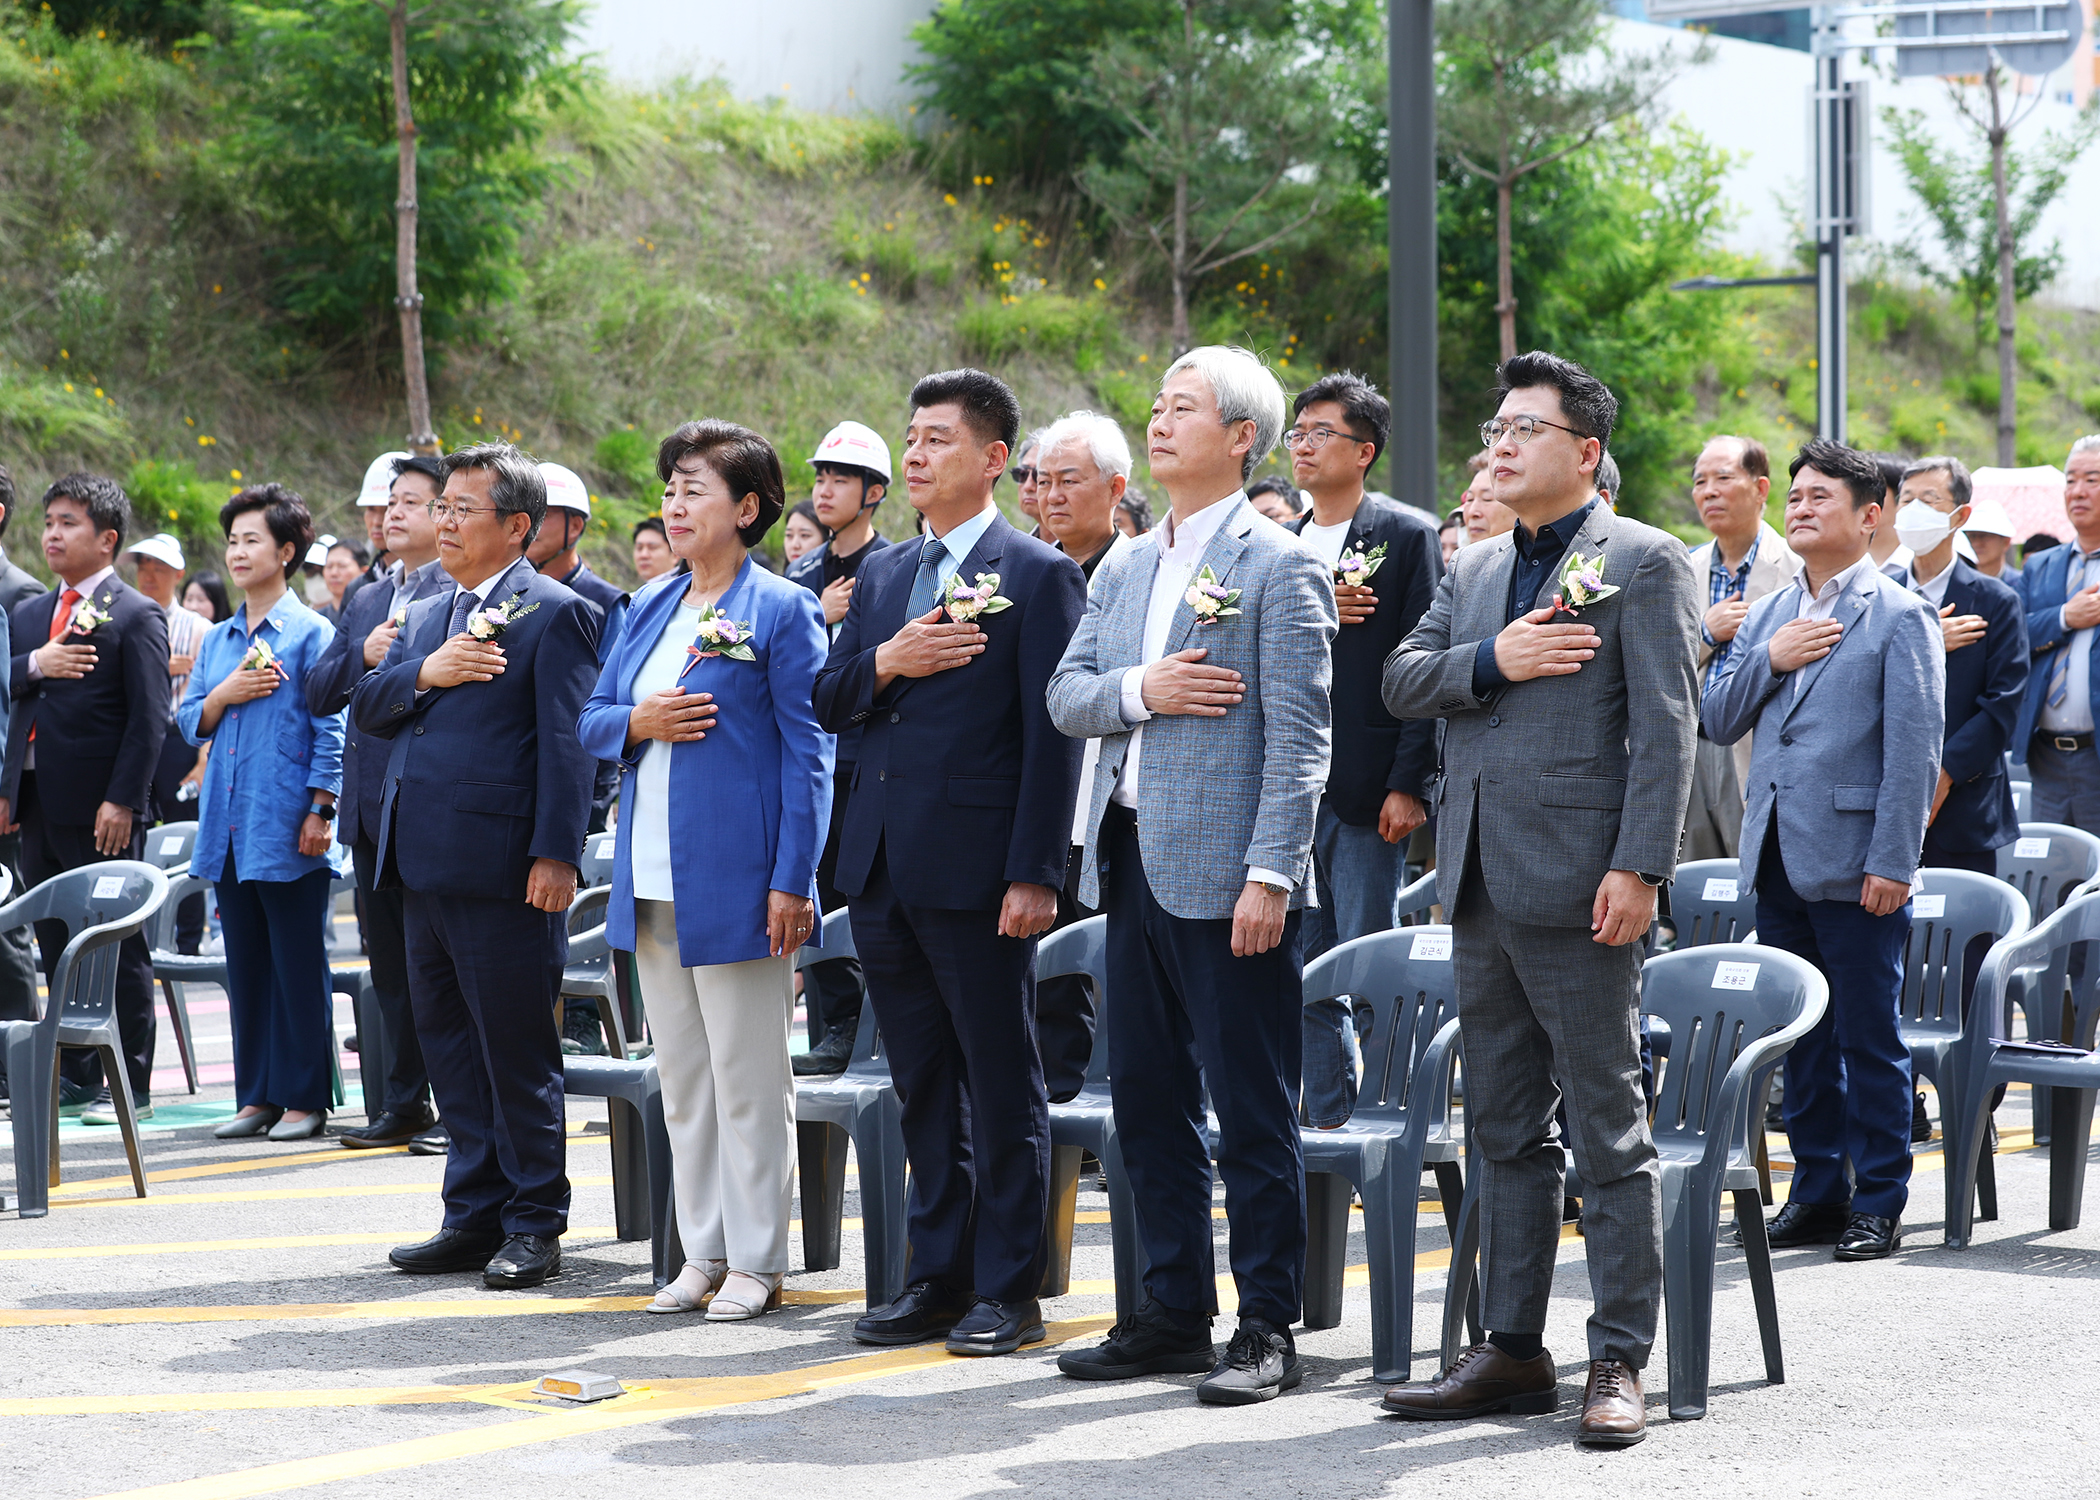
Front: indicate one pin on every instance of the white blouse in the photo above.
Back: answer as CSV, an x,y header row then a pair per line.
x,y
650,853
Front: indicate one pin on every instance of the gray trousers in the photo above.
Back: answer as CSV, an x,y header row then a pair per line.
x,y
1538,1005
1713,827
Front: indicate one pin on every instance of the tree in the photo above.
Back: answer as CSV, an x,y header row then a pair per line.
x,y
1527,83
422,437
1231,135
1985,206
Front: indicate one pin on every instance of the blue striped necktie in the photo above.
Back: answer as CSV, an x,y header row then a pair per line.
x,y
2060,673
928,582
462,606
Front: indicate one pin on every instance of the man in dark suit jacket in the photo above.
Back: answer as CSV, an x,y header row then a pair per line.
x,y
367,631
951,856
482,826
92,705
17,962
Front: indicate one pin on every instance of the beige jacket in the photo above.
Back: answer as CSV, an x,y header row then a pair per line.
x,y
1774,569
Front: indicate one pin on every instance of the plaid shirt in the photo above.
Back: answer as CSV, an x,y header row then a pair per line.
x,y
1723,582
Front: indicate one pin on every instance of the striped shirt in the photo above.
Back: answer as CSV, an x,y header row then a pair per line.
x,y
186,632
1724,582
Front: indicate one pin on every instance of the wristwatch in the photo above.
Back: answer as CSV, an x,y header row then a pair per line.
x,y
325,811
1275,890
1647,879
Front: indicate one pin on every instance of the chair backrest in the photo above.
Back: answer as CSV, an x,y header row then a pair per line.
x,y
1082,949
1724,1004
99,905
587,910
1953,908
1409,979
867,1040
2023,800
160,931
1711,903
2066,950
837,932
169,846
1411,908
597,868
2047,862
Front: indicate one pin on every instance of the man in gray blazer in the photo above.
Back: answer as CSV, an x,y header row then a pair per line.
x,y
1202,666
1842,674
1561,659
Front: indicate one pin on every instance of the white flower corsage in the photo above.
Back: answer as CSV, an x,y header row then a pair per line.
x,y
489,624
1582,582
88,618
1210,599
964,603
261,658
718,635
1356,568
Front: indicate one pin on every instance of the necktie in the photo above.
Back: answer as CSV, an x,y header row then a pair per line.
x,y
928,583
462,605
2060,673
62,617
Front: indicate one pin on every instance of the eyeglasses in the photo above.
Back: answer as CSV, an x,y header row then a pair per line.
x,y
1523,429
1316,439
442,511
1022,474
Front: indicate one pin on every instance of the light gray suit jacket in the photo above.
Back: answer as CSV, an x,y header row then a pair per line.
x,y
1851,758
1569,777
1215,795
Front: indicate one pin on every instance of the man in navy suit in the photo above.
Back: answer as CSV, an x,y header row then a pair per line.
x,y
487,795
2061,590
951,856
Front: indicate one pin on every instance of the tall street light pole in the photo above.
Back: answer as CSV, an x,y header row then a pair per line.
x,y
1411,251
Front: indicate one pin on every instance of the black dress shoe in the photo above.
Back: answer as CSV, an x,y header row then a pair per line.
x,y
1151,1341
1920,1122
525,1260
997,1327
390,1129
431,1143
1807,1224
447,1250
1869,1237
927,1310
1260,1364
829,1056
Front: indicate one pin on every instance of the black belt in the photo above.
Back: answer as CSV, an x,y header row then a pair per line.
x,y
2067,743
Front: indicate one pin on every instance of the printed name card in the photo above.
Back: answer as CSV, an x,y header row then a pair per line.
x,y
1928,907
108,886
1432,945
172,844
2030,848
1723,890
1736,976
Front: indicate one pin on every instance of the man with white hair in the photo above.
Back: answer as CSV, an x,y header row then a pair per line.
x,y
1203,667
2062,592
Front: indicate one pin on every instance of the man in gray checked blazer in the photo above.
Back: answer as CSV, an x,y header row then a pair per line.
x,y
1202,666
1561,658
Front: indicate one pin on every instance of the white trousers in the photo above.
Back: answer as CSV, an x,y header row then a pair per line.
x,y
721,1033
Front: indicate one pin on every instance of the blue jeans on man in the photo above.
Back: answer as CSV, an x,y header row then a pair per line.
x,y
1356,876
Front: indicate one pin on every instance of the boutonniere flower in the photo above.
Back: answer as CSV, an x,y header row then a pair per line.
x,y
89,618
718,635
966,603
489,624
400,617
1210,599
1355,568
1582,582
260,658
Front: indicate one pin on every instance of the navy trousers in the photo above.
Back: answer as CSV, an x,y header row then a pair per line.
x,y
956,1003
277,988
1848,1082
483,977
1187,1014
407,1080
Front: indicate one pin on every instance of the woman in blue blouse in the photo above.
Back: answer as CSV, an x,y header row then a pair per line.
x,y
265,821
724,802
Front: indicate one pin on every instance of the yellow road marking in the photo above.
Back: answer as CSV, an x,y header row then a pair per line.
x,y
406,1307
265,1163
282,1195
266,1242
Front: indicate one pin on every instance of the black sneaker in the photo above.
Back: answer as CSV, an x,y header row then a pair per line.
x,y
830,1055
581,1035
73,1097
1920,1122
1151,1341
1260,1364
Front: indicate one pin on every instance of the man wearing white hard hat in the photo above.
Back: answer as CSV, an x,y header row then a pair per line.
x,y
373,496
853,474
554,553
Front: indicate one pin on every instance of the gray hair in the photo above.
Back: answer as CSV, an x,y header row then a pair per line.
x,y
1958,479
517,485
1245,389
1608,477
1103,439
2087,444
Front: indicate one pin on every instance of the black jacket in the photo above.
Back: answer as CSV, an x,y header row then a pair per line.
x,y
1985,682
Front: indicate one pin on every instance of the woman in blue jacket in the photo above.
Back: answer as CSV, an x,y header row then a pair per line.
x,y
265,822
724,801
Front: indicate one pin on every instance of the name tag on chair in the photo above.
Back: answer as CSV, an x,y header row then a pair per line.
x,y
1723,890
109,886
1431,945
1736,976
2030,848
1932,907
172,844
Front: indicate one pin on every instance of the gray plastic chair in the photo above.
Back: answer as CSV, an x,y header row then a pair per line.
x,y
1401,1123
641,1150
2047,863
589,974
1711,903
860,1105
2023,800
1724,1044
597,866
169,847
101,905
2066,948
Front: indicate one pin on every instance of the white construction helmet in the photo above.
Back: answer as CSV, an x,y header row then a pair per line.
x,y
565,490
855,444
379,478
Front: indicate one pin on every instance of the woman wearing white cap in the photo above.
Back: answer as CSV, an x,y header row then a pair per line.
x,y
1990,533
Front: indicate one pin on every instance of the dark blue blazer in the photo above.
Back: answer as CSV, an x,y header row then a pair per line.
x,y
750,804
961,781
1986,683
329,684
2042,594
99,736
485,777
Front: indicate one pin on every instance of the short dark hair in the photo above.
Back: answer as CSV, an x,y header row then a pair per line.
x,y
1757,459
1958,477
290,522
421,463
746,462
651,523
1590,407
215,590
1859,472
518,488
868,478
987,403
1274,486
356,549
7,498
1133,505
1892,467
1370,414
104,500
808,512
1456,518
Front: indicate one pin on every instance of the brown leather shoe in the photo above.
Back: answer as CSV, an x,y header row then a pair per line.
x,y
1480,1381
1614,1413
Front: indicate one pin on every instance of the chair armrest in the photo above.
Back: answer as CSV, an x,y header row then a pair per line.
x,y
1430,1089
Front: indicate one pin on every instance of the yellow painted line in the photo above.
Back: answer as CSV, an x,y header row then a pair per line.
x,y
281,1400
652,1403
265,1163
286,1195
266,1242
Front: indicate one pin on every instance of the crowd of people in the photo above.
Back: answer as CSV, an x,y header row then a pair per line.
x,y
1229,731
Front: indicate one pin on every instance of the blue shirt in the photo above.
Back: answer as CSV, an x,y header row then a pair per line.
x,y
268,757
1722,582
1537,555
959,541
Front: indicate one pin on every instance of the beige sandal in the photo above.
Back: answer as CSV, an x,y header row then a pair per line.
x,y
695,1284
745,1295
